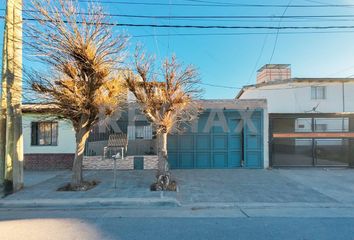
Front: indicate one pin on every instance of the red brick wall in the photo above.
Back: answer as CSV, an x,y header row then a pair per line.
x,y
48,161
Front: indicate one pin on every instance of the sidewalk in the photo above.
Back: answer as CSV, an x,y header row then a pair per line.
x,y
132,190
198,189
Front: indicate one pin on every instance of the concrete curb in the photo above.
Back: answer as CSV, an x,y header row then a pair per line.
x,y
245,205
91,203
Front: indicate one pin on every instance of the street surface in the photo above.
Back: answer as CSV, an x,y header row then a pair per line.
x,y
173,224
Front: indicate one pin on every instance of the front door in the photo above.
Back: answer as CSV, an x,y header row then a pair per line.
x,y
235,141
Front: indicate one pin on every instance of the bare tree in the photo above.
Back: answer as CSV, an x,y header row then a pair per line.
x,y
167,99
82,56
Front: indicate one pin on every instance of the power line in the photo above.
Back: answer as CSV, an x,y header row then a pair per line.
x,y
217,4
296,20
228,34
318,2
277,35
236,34
189,17
258,59
269,87
169,22
219,86
223,26
204,26
342,70
227,16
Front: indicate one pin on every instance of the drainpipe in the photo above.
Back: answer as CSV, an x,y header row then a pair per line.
x,y
343,105
343,100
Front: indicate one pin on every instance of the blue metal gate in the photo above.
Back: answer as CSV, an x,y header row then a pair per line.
x,y
239,144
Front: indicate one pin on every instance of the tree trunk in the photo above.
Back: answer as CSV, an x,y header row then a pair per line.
x,y
162,163
163,182
81,137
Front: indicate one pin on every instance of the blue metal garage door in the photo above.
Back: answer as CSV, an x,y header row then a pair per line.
x,y
238,144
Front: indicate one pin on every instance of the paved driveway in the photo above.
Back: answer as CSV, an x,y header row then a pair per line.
x,y
337,184
266,186
278,186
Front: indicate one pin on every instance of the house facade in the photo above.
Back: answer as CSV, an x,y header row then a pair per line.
x,y
48,143
227,134
311,120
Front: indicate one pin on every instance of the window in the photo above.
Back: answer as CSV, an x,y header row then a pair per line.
x,y
303,125
331,124
318,92
44,133
139,132
320,127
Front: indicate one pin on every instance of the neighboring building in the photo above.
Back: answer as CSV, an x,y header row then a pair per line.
x,y
48,143
311,120
227,134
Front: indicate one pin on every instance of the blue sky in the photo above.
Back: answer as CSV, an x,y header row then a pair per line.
x,y
231,60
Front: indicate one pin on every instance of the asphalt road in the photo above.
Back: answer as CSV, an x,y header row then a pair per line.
x,y
171,224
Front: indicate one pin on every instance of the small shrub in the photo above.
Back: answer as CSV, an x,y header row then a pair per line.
x,y
170,187
85,186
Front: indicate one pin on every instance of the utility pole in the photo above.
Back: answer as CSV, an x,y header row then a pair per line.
x,y
11,140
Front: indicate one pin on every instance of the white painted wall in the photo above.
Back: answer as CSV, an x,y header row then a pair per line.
x,y
66,136
265,138
296,97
